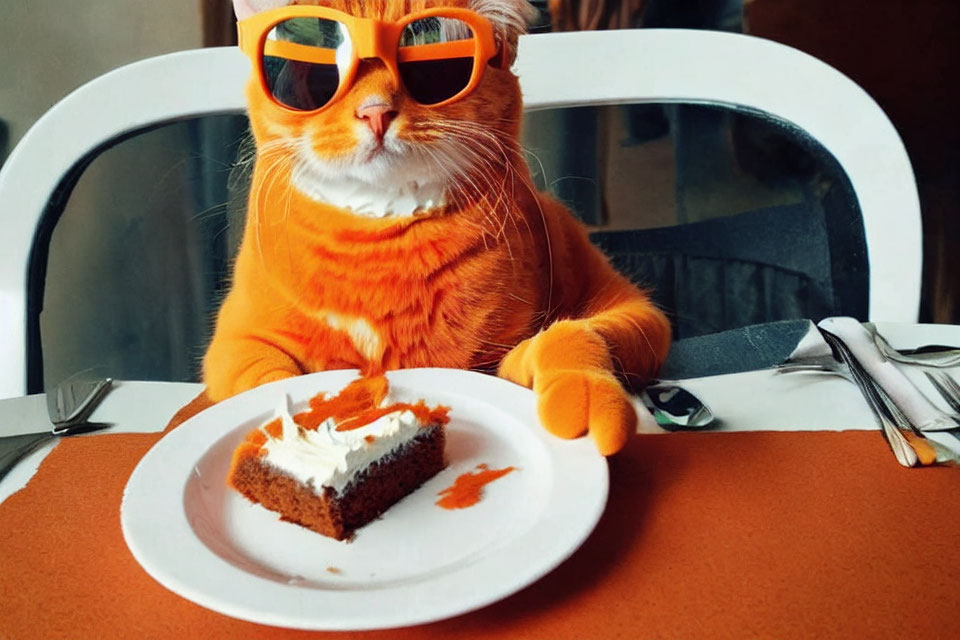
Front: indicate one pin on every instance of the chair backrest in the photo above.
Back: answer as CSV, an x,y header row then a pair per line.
x,y
555,70
744,72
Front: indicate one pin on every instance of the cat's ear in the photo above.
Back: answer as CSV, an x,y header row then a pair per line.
x,y
510,19
246,8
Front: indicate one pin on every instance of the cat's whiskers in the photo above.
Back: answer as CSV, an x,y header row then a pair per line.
x,y
247,153
513,186
272,159
457,194
484,166
209,212
275,173
287,206
468,181
513,212
486,157
548,243
481,226
444,161
466,134
636,325
465,162
455,190
519,299
618,366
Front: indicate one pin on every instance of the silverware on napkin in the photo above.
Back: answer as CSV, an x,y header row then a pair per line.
x,y
879,403
947,387
929,355
916,407
900,408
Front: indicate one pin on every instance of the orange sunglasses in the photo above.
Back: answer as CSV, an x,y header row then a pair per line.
x,y
307,57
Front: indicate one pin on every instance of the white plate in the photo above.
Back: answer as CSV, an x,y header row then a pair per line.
x,y
416,564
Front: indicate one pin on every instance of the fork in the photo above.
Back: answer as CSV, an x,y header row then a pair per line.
x,y
928,356
910,446
902,448
947,387
949,390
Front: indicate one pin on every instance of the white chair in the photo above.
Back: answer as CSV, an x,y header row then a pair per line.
x,y
556,70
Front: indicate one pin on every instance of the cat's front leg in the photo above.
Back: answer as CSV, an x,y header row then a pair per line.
x,y
249,347
234,364
570,368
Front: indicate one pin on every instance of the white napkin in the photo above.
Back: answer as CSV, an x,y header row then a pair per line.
x,y
812,347
915,406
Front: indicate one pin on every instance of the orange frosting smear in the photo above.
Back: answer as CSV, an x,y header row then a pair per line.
x,y
274,428
466,489
425,415
257,437
359,404
360,395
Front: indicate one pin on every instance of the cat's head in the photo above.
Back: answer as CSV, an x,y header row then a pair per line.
x,y
377,151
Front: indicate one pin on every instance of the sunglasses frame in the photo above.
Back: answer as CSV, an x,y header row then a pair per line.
x,y
370,38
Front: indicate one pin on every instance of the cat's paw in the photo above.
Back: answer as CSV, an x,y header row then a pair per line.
x,y
567,344
569,367
516,366
572,403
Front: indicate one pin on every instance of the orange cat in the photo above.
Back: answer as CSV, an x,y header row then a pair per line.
x,y
383,232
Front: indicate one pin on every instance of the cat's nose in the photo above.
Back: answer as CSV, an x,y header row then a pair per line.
x,y
378,117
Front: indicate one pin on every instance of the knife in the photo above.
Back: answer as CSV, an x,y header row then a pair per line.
x,y
71,403
64,411
59,412
131,406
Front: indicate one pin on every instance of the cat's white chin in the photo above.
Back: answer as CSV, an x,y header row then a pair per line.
x,y
376,183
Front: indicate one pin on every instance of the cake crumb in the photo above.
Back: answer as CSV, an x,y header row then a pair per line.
x,y
334,570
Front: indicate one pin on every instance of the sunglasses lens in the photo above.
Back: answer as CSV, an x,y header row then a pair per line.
x,y
303,61
436,58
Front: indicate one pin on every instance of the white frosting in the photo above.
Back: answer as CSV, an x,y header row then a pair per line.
x,y
383,200
385,178
326,457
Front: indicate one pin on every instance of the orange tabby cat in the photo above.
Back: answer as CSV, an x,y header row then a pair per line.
x,y
383,233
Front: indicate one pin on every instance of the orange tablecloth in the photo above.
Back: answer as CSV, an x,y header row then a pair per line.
x,y
739,535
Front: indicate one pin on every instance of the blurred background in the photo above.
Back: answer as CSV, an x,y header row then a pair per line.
x,y
154,195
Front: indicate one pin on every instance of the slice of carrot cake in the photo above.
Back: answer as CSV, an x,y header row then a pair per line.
x,y
341,463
